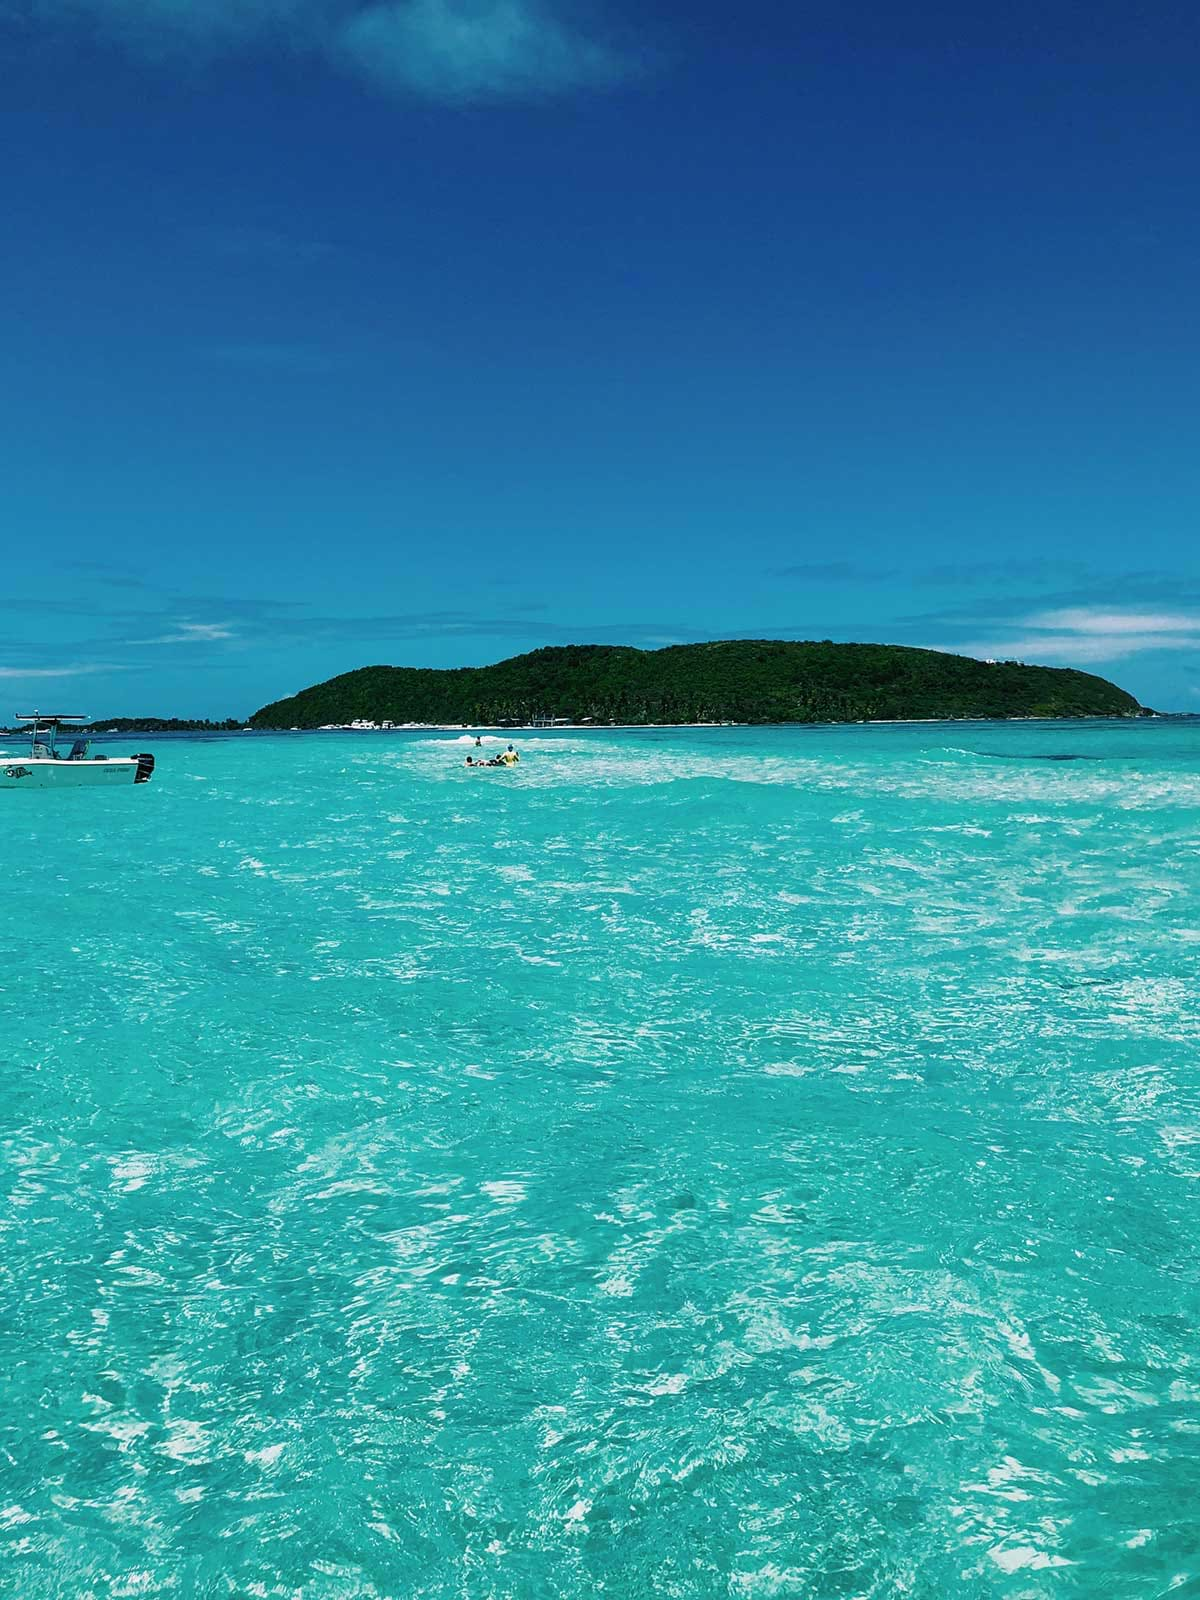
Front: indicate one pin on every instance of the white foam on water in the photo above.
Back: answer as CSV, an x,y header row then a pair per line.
x,y
505,1191
1026,1557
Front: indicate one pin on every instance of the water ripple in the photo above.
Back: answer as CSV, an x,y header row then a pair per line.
x,y
715,1163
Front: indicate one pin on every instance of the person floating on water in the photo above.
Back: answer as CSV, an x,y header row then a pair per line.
x,y
507,758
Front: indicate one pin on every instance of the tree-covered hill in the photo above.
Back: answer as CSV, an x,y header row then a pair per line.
x,y
735,680
163,725
144,725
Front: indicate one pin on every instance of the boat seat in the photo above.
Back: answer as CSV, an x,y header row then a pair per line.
x,y
79,750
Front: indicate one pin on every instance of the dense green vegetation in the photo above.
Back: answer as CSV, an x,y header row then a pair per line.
x,y
163,725
752,680
143,725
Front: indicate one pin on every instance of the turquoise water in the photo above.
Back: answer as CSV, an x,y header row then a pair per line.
x,y
732,1163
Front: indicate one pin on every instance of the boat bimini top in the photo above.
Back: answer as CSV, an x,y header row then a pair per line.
x,y
43,732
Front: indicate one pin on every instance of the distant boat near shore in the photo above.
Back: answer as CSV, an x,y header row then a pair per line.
x,y
359,725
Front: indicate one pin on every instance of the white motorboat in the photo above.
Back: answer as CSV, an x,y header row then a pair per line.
x,y
47,766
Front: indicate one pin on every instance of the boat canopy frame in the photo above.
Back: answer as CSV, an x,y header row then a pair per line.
x,y
43,732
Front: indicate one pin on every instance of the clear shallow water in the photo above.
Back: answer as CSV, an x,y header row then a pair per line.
x,y
698,1163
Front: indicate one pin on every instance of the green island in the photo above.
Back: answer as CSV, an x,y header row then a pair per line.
x,y
732,680
164,725
146,725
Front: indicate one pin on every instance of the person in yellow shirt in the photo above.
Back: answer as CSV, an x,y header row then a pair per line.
x,y
510,757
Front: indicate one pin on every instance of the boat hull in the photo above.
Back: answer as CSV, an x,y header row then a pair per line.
x,y
38,772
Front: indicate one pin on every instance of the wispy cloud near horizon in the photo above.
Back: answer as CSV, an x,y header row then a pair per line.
x,y
80,670
191,633
1087,635
1090,621
451,50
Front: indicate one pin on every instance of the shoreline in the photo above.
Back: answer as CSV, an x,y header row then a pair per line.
x,y
632,727
501,730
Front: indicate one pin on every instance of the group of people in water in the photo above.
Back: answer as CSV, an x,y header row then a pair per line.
x,y
506,758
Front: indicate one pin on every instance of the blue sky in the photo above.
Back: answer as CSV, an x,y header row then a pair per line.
x,y
427,331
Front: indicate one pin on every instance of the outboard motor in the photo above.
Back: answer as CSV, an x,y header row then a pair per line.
x,y
145,766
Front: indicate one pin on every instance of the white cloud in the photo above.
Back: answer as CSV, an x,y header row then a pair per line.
x,y
1073,649
191,633
1088,620
449,50
1085,635
442,49
27,674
